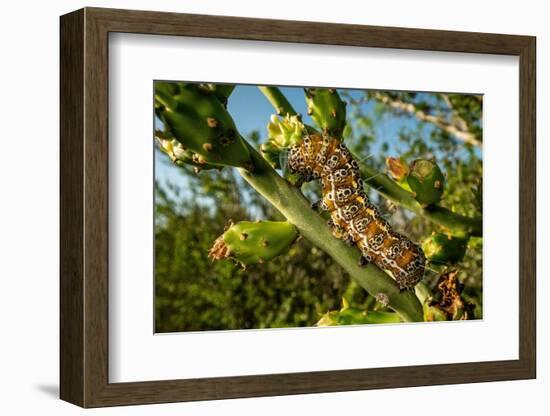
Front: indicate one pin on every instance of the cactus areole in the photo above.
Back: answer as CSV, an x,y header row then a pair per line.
x,y
197,119
254,242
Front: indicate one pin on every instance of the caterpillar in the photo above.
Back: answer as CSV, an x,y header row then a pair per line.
x,y
353,217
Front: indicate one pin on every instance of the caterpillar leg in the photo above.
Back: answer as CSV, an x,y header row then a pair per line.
x,y
349,240
364,261
337,231
316,205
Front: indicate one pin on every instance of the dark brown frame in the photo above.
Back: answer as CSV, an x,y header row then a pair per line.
x,y
84,209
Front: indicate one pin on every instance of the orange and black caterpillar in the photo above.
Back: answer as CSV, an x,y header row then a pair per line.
x,y
353,217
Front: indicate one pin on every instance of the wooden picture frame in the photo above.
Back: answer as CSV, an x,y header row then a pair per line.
x,y
84,207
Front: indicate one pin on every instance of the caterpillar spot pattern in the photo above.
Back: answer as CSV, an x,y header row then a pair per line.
x,y
353,217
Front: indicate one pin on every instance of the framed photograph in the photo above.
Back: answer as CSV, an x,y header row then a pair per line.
x,y
255,207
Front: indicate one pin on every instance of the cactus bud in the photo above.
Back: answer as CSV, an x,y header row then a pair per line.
x,y
254,242
426,181
179,154
447,302
444,249
398,169
282,134
327,110
198,120
285,132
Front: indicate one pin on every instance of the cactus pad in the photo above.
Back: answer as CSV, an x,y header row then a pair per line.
x,y
254,242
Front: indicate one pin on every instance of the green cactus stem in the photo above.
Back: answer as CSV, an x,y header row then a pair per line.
x,y
447,303
327,110
198,120
278,100
444,249
290,202
355,316
426,181
179,154
254,242
456,223
221,91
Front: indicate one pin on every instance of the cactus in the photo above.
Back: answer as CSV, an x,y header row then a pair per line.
x,y
353,316
399,171
426,181
179,154
397,168
282,134
447,303
388,188
198,120
253,242
327,110
184,108
221,91
444,249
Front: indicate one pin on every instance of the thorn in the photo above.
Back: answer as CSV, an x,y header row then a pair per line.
x,y
243,236
265,243
207,147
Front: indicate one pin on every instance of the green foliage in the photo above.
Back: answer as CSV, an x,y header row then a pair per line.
x,y
193,293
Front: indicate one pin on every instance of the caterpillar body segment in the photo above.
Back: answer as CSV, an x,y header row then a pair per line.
x,y
353,217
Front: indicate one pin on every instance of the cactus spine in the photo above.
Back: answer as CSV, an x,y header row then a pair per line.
x,y
327,110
